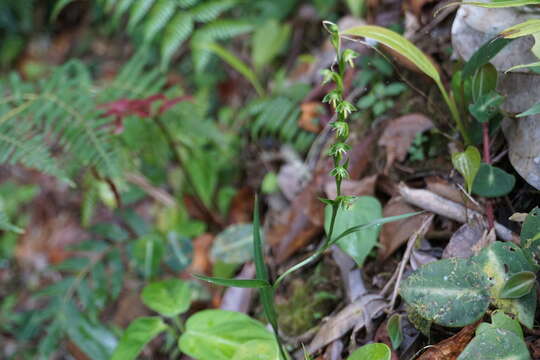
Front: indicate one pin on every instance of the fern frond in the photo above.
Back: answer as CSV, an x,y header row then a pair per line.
x,y
184,4
137,13
158,17
176,32
5,225
208,11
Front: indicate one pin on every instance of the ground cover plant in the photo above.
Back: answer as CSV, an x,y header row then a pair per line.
x,y
273,180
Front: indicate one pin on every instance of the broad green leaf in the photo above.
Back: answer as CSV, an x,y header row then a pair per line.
x,y
234,62
234,245
484,81
169,297
496,343
518,285
450,292
363,210
96,341
499,262
148,252
137,335
492,181
398,43
218,334
393,328
176,32
486,106
531,227
242,283
534,110
268,41
483,55
158,17
257,350
528,27
377,351
467,163
500,320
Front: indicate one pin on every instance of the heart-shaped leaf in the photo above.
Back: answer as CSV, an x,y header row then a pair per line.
x,y
519,284
375,351
363,210
467,163
136,336
492,181
234,245
168,297
218,334
450,292
496,343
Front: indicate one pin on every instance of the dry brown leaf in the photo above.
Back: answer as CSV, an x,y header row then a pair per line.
x,y
395,234
399,135
201,263
451,348
443,188
415,6
309,118
241,208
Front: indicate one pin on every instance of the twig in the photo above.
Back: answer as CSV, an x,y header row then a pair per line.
x,y
157,194
410,245
487,160
430,201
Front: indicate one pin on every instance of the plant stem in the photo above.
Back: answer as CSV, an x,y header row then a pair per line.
x,y
487,160
455,113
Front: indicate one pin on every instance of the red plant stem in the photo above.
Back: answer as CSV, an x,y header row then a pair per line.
x,y
487,160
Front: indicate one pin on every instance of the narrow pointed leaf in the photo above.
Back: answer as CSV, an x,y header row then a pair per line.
x,y
483,55
242,283
393,327
534,110
528,27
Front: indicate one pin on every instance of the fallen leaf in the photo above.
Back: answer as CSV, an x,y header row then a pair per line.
x,y
443,188
398,136
352,316
309,119
395,234
363,187
241,208
462,242
416,6
201,263
451,348
239,299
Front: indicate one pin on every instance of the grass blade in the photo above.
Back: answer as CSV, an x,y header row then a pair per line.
x,y
241,283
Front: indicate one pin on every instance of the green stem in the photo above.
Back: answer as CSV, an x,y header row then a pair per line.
x,y
455,113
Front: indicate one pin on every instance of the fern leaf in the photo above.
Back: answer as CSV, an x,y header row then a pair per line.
x,y
158,17
138,11
184,4
121,9
5,225
209,11
176,32
20,146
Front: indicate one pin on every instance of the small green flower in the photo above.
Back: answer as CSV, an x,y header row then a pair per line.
x,y
345,108
341,128
328,75
339,149
333,98
349,56
340,173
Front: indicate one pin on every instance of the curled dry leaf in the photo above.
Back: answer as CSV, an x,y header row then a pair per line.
x,y
395,234
201,263
443,188
309,119
463,240
398,136
451,348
